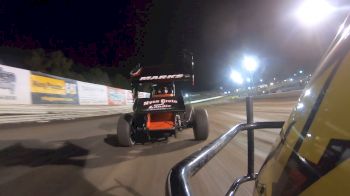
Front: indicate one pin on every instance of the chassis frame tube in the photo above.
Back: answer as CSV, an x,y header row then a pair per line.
x,y
178,177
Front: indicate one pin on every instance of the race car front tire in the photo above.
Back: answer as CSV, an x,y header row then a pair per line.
x,y
200,124
124,131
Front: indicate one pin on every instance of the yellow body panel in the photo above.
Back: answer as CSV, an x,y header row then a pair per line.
x,y
334,183
333,115
312,156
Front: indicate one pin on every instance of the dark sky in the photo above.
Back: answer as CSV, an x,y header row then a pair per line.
x,y
152,32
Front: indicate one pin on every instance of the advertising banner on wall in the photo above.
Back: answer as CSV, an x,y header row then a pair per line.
x,y
92,94
14,85
129,99
116,96
47,89
143,95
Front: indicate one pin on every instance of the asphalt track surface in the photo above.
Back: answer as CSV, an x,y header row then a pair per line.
x,y
81,157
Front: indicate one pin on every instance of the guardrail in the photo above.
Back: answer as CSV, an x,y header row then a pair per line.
x,y
10,114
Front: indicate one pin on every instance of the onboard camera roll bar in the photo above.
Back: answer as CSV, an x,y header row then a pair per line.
x,y
178,177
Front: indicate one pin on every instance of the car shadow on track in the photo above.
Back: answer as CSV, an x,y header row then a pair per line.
x,y
52,171
155,147
57,167
66,154
88,152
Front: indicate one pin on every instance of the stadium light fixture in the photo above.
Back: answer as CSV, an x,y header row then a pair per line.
x,y
236,77
312,12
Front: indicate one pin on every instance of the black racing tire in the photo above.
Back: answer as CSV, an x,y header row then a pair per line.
x,y
188,115
124,131
200,124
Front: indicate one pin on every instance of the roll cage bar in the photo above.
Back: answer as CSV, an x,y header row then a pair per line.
x,y
178,177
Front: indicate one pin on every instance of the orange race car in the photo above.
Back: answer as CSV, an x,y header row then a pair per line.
x,y
164,113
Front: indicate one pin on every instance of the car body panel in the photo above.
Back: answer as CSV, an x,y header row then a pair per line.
x,y
312,155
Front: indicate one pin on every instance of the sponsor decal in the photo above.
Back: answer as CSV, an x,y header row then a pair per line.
x,y
159,104
162,77
159,101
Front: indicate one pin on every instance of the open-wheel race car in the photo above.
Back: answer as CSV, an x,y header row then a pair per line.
x,y
164,113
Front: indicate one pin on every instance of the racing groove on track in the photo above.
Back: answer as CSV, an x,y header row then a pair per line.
x,y
81,157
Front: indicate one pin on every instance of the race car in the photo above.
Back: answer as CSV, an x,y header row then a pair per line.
x,y
164,113
312,154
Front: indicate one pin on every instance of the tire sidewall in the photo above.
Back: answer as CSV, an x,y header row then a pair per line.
x,y
124,130
200,124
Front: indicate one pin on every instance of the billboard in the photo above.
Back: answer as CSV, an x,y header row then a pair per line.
x,y
47,89
116,96
14,88
143,95
92,94
129,99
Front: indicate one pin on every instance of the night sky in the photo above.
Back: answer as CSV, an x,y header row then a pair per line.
x,y
153,32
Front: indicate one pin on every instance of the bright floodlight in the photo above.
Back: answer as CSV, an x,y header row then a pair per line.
x,y
312,12
236,77
250,63
248,80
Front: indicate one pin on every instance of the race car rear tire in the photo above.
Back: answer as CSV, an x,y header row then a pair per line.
x,y
200,124
124,131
